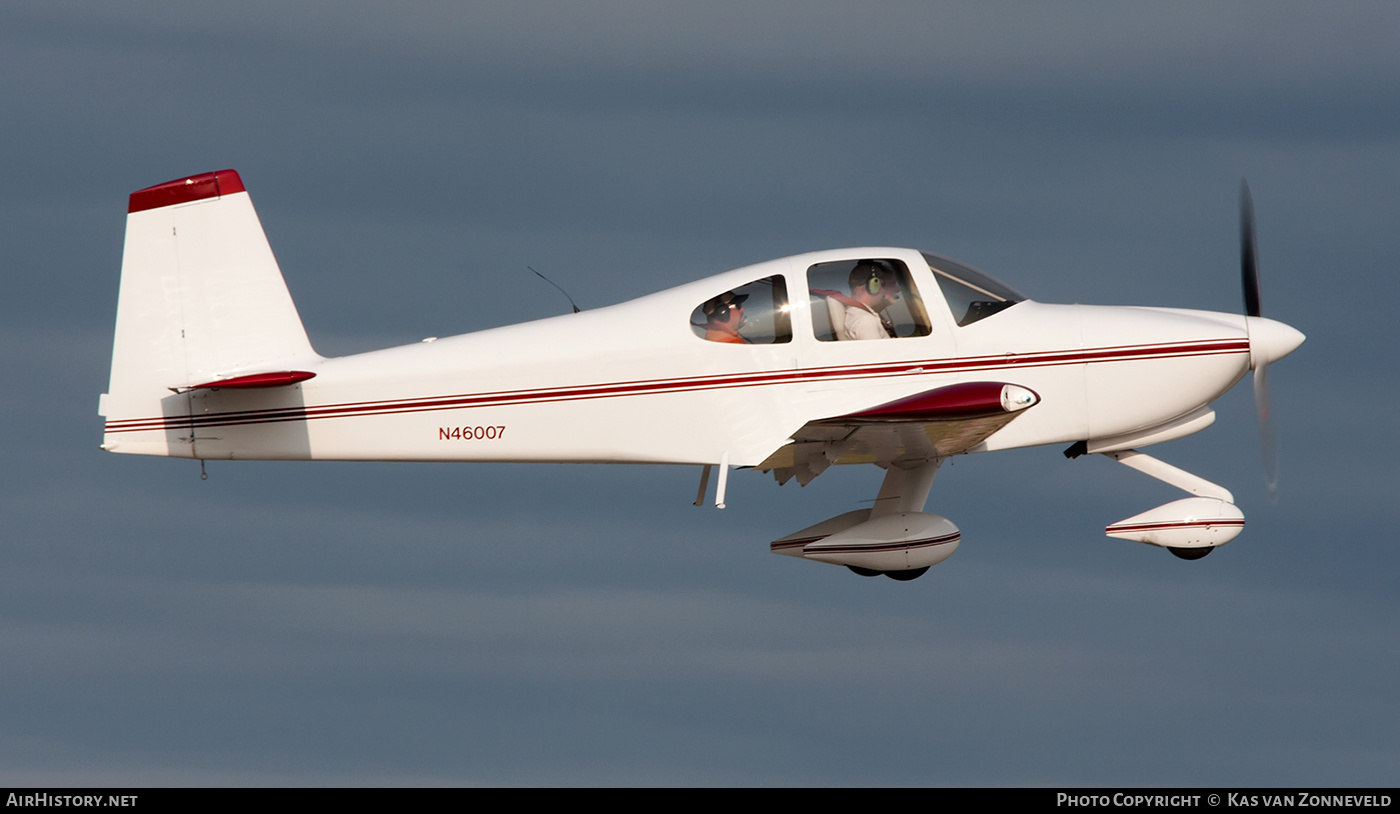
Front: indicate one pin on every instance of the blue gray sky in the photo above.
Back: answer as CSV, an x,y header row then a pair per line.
x,y
290,624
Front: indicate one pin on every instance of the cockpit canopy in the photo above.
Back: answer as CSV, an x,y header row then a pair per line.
x,y
862,297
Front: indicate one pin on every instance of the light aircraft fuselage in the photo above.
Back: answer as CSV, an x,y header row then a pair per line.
x,y
755,367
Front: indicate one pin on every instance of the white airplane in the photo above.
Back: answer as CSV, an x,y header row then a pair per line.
x,y
883,356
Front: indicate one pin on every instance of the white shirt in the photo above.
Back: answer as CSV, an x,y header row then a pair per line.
x,y
863,323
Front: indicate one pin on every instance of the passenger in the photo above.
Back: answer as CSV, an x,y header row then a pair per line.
x,y
724,316
873,289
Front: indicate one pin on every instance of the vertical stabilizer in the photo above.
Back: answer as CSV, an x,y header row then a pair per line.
x,y
202,299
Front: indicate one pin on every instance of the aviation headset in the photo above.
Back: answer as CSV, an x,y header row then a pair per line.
x,y
717,309
868,273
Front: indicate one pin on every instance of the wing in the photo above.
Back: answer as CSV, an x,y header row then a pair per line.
x,y
933,424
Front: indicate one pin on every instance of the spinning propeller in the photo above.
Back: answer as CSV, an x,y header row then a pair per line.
x,y
1268,340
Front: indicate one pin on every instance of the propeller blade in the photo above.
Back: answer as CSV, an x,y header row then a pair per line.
x,y
1249,279
1249,259
1266,430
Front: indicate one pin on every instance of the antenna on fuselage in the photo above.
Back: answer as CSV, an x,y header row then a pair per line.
x,y
556,285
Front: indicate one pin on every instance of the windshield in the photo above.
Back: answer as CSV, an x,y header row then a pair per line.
x,y
971,295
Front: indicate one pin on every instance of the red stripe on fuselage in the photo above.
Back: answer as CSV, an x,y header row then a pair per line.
x,y
980,364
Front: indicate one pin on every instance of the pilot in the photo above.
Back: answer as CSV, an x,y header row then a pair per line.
x,y
724,316
873,288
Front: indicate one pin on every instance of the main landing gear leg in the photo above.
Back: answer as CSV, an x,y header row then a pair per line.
x,y
902,490
905,490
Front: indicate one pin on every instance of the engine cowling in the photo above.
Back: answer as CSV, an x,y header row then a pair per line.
x,y
902,541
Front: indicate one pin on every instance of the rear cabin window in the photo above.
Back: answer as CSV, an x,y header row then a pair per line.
x,y
865,298
753,314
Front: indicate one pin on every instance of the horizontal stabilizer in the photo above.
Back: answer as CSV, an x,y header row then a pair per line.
x,y
280,378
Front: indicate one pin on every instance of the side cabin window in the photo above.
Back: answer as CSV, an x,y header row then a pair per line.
x,y
971,295
868,298
753,314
